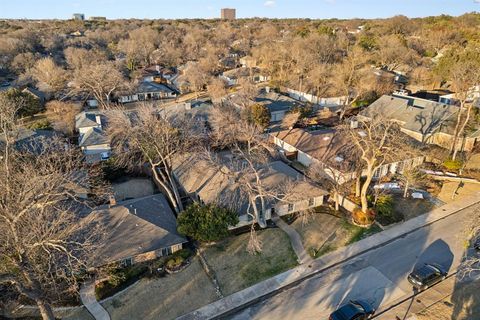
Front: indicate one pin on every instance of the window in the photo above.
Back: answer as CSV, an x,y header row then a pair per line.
x,y
290,207
127,262
311,202
164,252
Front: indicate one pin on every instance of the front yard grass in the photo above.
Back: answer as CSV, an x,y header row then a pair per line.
x,y
164,298
325,232
236,269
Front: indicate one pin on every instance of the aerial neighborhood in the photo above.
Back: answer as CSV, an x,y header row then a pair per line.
x,y
240,168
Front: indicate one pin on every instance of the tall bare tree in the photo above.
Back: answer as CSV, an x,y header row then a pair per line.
x,y
99,81
62,114
50,77
148,136
44,243
378,141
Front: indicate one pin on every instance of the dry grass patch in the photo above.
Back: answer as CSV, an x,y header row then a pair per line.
x,y
164,298
236,269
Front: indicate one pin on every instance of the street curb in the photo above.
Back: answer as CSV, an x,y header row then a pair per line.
x,y
279,283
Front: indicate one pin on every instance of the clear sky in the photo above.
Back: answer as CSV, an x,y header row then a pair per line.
x,y
158,9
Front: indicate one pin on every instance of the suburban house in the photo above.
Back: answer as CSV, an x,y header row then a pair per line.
x,y
473,96
37,94
328,102
248,62
426,121
232,76
332,151
159,74
278,104
149,90
92,139
200,181
135,230
29,140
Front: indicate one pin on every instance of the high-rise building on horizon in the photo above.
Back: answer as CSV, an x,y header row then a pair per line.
x,y
228,14
78,16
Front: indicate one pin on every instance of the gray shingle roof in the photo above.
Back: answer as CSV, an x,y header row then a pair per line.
x,y
276,102
418,115
199,177
29,140
150,86
86,119
134,227
93,137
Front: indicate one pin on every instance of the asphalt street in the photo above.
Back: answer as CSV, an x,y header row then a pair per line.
x,y
378,276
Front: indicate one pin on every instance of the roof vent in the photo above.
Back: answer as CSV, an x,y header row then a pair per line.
x,y
339,159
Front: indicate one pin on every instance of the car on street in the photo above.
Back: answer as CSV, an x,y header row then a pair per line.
x,y
426,275
476,244
354,310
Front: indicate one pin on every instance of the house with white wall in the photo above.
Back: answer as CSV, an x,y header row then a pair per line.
x,y
332,151
202,182
92,139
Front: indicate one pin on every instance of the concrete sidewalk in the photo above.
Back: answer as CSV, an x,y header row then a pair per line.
x,y
87,295
295,240
290,278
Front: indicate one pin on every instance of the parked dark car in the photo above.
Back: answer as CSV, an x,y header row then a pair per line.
x,y
423,277
354,310
476,244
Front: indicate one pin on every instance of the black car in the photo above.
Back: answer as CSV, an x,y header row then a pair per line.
x,y
354,310
476,244
423,277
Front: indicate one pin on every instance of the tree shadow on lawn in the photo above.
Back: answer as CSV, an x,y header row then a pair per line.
x,y
237,269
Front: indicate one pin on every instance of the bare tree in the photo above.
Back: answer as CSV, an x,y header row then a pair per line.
x,y
348,80
465,74
148,136
49,76
99,81
44,243
217,89
377,140
247,165
62,114
411,177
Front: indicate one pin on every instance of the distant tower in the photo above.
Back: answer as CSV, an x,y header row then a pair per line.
x,y
228,14
78,16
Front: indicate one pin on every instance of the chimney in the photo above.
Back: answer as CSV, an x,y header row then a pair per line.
x,y
98,119
112,200
188,105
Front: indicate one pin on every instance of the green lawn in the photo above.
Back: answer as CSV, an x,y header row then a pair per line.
x,y
236,269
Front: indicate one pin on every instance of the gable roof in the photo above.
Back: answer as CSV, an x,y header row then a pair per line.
x,y
326,146
150,86
86,119
93,137
414,114
276,102
134,227
34,92
29,140
212,186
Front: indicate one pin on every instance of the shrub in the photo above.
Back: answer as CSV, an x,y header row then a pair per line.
x,y
259,114
174,262
384,205
363,218
41,124
453,165
206,223
183,253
